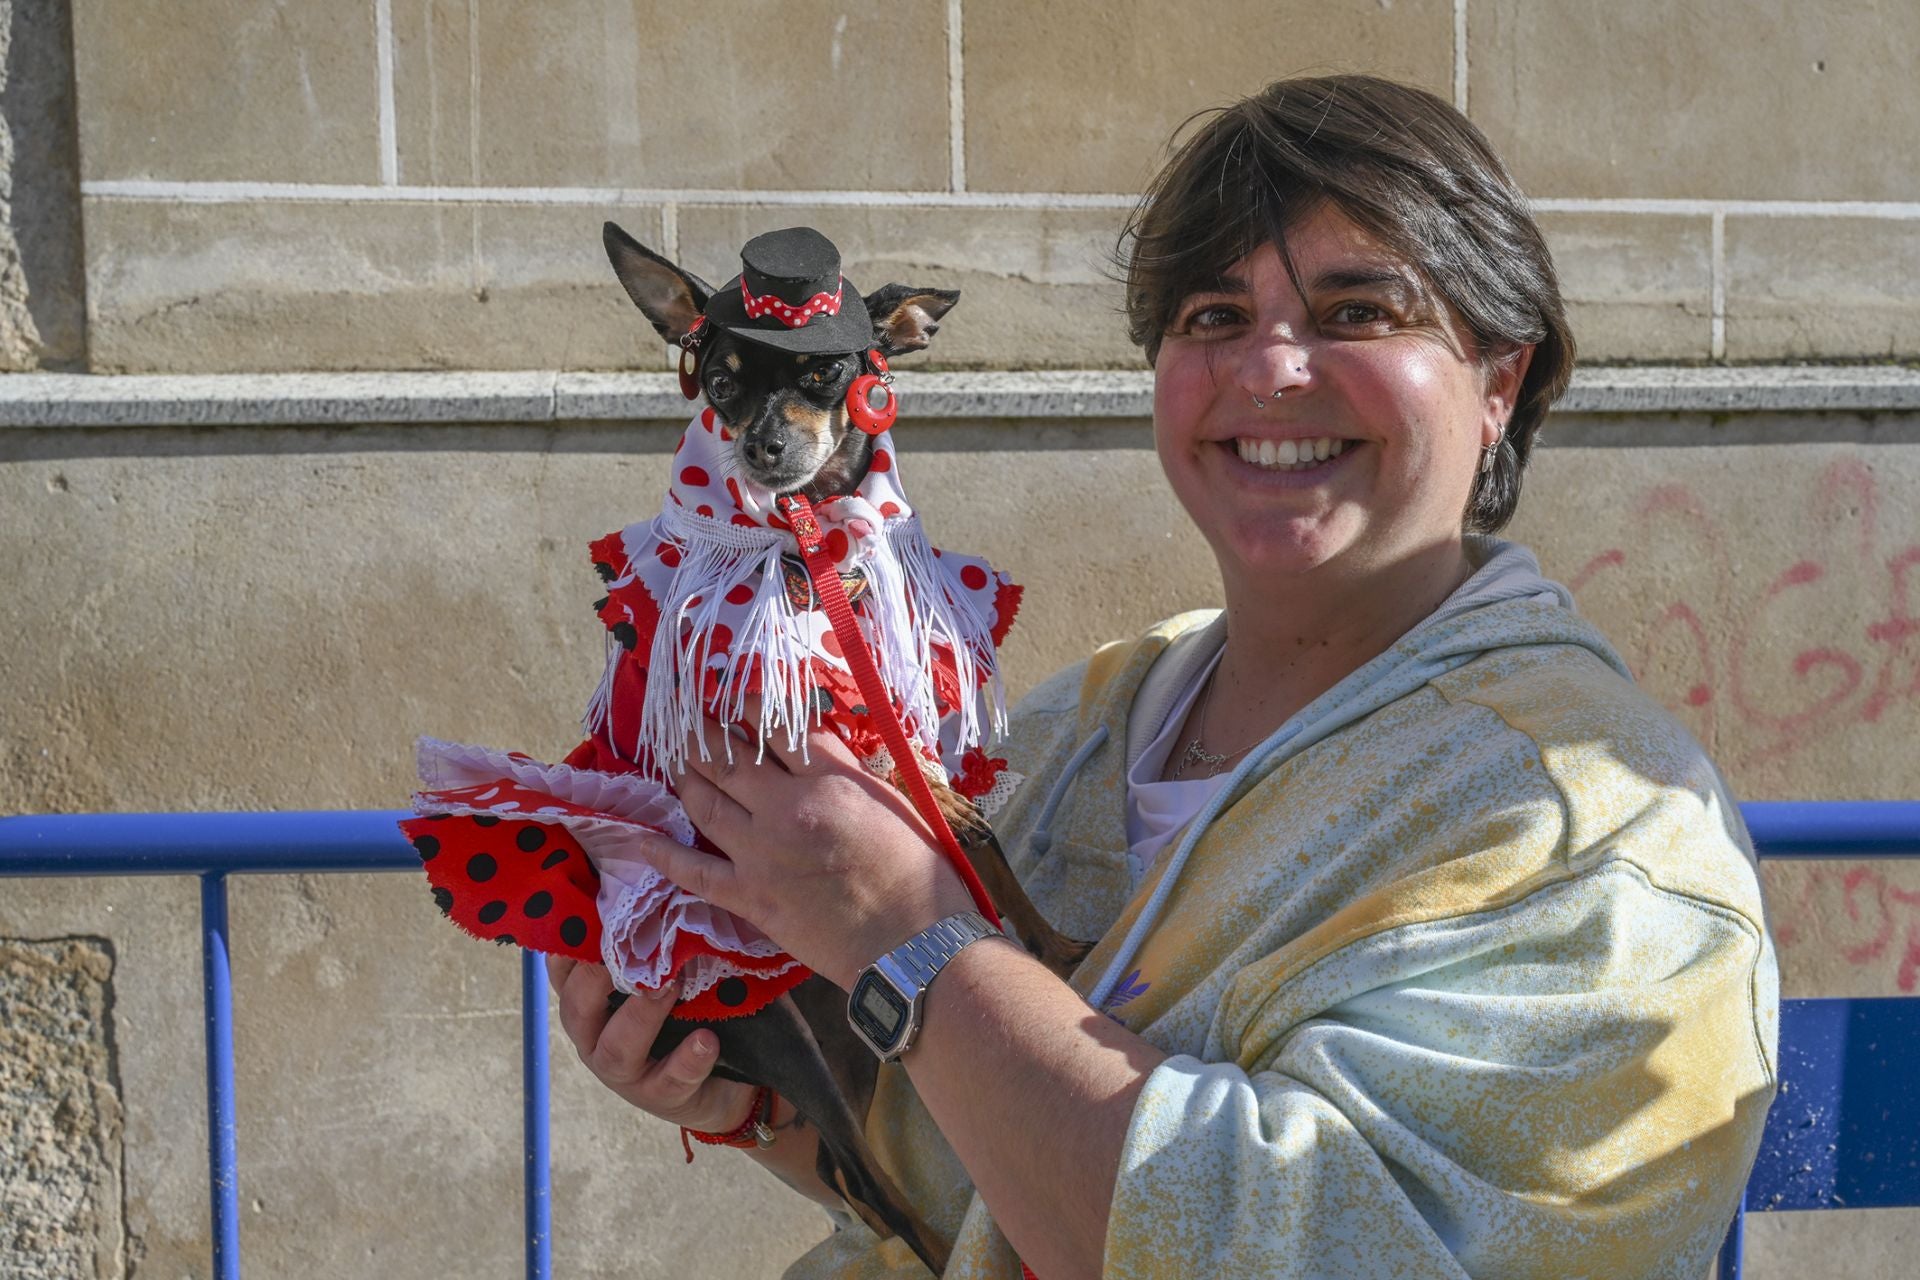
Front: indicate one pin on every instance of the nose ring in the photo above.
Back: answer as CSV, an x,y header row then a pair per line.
x,y
1258,403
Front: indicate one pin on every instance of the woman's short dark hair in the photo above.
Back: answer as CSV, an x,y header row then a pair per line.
x,y
1404,166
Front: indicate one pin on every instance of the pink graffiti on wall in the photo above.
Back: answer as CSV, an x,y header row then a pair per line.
x,y
1876,920
1858,585
1764,664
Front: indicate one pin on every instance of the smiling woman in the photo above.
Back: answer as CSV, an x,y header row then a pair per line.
x,y
1255,368
1429,945
1453,241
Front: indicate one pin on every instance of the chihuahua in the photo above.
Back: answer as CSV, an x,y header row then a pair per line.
x,y
798,400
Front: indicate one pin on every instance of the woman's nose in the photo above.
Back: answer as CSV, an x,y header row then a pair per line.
x,y
1272,365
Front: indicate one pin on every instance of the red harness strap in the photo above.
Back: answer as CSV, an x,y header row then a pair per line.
x,y
833,597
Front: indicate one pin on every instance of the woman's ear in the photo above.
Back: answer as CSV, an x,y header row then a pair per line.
x,y
1506,374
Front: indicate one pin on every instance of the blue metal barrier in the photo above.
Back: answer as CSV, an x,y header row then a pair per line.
x,y
1849,1137
1844,1131
215,845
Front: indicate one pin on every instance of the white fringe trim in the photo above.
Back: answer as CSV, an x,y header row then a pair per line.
x,y
908,612
938,615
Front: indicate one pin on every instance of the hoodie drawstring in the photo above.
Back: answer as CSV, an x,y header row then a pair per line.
x,y
1042,838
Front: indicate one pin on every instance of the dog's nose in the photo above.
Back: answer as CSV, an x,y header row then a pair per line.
x,y
766,453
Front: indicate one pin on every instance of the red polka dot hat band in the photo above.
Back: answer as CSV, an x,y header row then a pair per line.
x,y
791,316
703,608
791,295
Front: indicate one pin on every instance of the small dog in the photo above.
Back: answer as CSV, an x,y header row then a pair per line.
x,y
793,433
792,363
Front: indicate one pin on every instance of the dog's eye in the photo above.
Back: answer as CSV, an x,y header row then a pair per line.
x,y
825,375
720,387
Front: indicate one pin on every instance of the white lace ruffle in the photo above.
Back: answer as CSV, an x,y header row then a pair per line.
x,y
702,973
450,765
643,915
995,798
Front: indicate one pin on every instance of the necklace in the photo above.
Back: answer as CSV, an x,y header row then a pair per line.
x,y
1195,754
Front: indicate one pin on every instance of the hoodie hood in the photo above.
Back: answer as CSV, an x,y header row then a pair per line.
x,y
1507,602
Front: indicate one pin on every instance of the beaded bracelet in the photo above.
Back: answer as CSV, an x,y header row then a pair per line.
x,y
755,1131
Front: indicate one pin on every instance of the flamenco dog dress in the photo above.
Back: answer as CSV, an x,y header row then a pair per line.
x,y
707,605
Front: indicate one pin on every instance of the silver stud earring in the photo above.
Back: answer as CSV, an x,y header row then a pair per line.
x,y
1487,456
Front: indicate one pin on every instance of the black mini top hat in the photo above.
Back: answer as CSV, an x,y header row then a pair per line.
x,y
790,295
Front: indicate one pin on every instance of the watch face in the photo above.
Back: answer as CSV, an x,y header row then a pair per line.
x,y
877,1010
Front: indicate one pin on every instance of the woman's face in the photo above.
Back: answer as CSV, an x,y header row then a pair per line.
x,y
1375,413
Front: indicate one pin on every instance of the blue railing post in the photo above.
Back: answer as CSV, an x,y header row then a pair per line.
x,y
533,1058
1732,1249
223,1181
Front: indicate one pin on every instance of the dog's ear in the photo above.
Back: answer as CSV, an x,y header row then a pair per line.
x,y
906,318
669,297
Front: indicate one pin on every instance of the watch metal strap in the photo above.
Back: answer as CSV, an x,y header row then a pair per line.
x,y
923,955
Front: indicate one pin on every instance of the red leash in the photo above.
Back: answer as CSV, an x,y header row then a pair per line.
x,y
833,596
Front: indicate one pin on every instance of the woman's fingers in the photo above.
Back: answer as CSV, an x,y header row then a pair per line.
x,y
621,1054
581,998
678,1076
705,793
617,1046
797,758
614,1043
701,874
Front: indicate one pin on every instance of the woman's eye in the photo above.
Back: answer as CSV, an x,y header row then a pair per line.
x,y
1355,313
1214,315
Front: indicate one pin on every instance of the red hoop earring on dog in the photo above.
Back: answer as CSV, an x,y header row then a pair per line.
x,y
871,404
690,358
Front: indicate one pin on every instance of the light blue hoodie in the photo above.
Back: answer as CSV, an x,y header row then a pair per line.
x,y
1464,972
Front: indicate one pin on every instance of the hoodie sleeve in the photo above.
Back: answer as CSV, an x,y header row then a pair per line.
x,y
1573,1071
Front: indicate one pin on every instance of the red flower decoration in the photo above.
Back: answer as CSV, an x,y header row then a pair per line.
x,y
977,773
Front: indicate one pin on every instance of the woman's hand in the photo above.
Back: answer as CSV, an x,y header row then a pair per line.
x,y
829,861
679,1088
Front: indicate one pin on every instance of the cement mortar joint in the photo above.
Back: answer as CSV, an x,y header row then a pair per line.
x,y
36,400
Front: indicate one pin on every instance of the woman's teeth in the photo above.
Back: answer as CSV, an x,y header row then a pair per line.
x,y
1289,455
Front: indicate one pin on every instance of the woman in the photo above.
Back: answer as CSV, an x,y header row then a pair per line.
x,y
1429,945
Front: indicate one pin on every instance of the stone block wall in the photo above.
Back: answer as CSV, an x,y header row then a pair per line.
x,y
266,617
42,291
359,184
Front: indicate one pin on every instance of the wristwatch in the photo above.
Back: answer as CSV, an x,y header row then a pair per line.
x,y
889,998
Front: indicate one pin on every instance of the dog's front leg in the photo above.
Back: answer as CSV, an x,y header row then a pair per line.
x,y
1051,947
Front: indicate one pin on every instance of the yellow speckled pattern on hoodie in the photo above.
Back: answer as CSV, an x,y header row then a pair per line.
x,y
1476,985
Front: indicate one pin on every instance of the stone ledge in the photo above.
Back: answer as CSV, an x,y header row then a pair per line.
x,y
353,399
